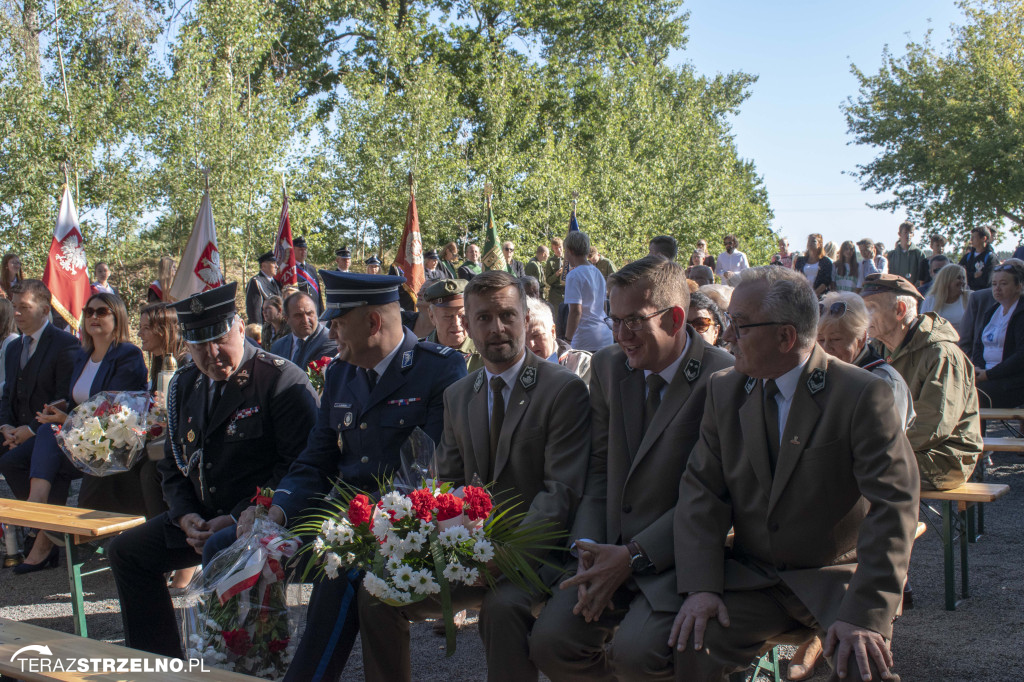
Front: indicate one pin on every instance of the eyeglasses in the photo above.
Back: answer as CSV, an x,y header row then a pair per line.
x,y
1003,268
633,324
737,327
837,309
701,324
508,248
97,312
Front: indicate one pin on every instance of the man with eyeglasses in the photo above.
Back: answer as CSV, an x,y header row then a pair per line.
x,y
732,261
647,399
512,265
804,457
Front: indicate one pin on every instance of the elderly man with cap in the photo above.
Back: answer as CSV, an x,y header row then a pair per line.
x,y
431,270
383,385
237,418
372,265
447,313
343,258
260,288
306,274
946,435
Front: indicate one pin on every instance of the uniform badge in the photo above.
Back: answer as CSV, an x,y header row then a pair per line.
x,y
191,436
242,378
404,401
692,370
197,307
407,359
231,429
443,350
816,382
529,377
751,382
278,361
348,419
479,382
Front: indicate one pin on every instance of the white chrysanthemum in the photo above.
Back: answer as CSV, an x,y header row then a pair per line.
x,y
426,527
349,559
450,537
483,551
423,583
381,526
318,545
397,503
344,532
414,541
393,564
453,572
403,577
374,586
479,534
471,576
332,562
195,640
392,547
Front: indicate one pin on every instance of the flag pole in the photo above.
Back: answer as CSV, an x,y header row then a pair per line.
x,y
575,198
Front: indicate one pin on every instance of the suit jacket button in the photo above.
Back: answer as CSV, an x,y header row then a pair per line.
x,y
363,426
364,460
401,421
213,488
209,465
626,508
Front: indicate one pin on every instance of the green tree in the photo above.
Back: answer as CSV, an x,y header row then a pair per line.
x,y
948,123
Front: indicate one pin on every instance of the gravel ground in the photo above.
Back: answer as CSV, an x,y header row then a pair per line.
x,y
982,640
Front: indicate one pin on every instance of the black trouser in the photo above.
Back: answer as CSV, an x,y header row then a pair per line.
x,y
16,465
139,558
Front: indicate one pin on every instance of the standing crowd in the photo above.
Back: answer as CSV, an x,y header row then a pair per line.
x,y
734,453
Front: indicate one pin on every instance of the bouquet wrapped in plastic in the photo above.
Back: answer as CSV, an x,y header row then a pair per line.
x,y
316,370
107,433
236,614
425,538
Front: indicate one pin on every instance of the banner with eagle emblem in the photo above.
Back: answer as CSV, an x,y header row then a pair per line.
x,y
199,269
65,274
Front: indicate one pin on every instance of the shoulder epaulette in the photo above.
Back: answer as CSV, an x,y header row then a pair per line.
x,y
271,359
435,348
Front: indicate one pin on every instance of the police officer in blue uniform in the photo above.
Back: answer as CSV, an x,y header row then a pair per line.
x,y
237,418
383,384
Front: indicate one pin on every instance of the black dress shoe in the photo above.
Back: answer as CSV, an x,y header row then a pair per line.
x,y
908,597
51,561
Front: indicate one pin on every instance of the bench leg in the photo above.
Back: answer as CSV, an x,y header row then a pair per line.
x,y
947,553
965,514
981,507
75,561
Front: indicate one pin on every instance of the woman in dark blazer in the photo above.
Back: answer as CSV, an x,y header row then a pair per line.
x,y
998,350
824,274
106,362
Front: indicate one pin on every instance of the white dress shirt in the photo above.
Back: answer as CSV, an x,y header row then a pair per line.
x,y
509,376
787,384
669,373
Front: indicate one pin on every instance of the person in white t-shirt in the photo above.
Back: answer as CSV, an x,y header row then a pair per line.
x,y
731,261
998,355
584,295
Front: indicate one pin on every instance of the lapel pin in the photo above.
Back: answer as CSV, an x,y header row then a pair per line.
x,y
191,435
522,402
795,441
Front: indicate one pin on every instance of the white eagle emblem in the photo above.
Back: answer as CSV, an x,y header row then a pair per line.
x,y
72,255
208,267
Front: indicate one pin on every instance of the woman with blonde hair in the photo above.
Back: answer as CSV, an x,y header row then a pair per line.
x,y
450,260
161,286
816,266
948,295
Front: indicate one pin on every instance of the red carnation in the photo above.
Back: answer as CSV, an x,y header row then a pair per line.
x,y
448,506
238,641
278,645
263,497
359,510
423,504
478,501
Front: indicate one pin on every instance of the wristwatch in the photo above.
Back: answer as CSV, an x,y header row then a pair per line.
x,y
639,563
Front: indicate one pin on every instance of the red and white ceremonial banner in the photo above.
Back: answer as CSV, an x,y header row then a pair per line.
x,y
65,274
199,269
410,250
284,253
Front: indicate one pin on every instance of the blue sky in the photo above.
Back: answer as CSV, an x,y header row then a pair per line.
x,y
792,126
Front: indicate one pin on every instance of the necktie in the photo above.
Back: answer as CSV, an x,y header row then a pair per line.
x,y
654,385
371,377
297,348
216,390
771,420
26,350
497,415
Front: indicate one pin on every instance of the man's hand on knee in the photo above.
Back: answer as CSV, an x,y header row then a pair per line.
x,y
866,645
608,569
693,617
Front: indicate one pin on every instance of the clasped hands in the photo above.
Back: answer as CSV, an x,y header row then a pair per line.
x,y
842,639
600,572
15,435
197,530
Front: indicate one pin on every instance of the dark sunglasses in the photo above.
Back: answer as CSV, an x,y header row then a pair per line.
x,y
702,324
98,312
837,309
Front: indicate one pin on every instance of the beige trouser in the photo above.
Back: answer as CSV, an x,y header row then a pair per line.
x,y
567,648
506,617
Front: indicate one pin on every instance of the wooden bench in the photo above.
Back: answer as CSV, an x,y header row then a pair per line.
x,y
994,445
82,529
966,496
14,636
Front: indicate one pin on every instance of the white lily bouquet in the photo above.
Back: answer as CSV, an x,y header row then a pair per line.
x,y
424,539
107,434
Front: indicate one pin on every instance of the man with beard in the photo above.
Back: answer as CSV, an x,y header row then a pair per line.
x,y
522,425
732,261
448,315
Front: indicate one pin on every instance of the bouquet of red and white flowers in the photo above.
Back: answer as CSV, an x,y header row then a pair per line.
x,y
316,370
423,541
236,614
107,433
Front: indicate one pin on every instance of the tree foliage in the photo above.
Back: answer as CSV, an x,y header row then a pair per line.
x,y
948,123
343,99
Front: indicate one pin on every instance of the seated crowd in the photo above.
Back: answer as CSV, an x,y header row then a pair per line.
x,y
733,453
